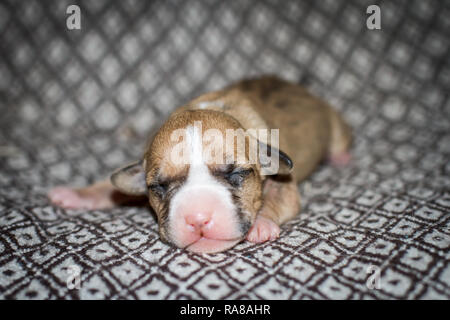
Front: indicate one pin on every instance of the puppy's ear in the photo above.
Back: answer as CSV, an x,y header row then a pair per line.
x,y
273,161
131,179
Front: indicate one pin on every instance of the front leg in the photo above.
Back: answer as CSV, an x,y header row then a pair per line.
x,y
100,195
281,203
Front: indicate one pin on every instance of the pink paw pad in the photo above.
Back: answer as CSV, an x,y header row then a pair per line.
x,y
340,159
69,198
263,230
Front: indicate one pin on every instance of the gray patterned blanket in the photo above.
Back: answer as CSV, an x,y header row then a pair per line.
x,y
75,104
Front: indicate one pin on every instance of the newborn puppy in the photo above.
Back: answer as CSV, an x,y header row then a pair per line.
x,y
209,191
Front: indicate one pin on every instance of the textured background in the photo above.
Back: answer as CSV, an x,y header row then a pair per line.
x,y
76,104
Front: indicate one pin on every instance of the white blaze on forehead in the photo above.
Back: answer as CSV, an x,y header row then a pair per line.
x,y
195,145
198,170
199,178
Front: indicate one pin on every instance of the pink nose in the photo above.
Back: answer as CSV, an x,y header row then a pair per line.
x,y
198,220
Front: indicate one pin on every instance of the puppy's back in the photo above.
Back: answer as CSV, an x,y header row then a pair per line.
x,y
307,124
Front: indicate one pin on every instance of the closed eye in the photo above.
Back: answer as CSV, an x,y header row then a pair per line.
x,y
160,189
162,186
233,175
223,169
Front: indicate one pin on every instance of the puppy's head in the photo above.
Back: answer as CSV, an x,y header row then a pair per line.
x,y
205,186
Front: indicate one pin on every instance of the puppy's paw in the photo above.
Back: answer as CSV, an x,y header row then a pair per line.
x,y
70,199
263,230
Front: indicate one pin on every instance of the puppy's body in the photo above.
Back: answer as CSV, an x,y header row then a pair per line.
x,y
310,130
209,207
